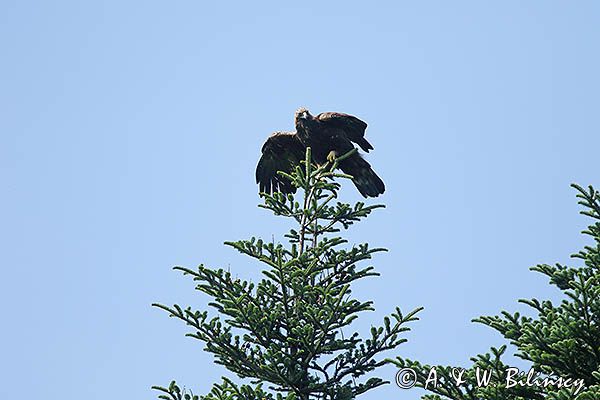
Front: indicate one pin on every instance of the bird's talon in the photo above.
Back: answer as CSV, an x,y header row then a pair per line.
x,y
331,156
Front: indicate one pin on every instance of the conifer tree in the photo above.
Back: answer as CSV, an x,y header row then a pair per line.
x,y
563,340
288,335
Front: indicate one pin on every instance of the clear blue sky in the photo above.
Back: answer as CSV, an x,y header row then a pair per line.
x,y
129,134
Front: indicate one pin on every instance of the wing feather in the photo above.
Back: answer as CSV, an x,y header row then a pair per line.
x,y
353,127
368,183
281,152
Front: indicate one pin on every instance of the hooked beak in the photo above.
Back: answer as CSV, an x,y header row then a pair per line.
x,y
302,113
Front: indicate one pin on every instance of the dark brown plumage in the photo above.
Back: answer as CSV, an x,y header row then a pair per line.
x,y
329,135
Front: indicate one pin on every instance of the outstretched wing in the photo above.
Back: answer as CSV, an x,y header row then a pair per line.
x,y
281,152
353,127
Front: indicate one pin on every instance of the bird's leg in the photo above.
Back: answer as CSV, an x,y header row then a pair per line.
x,y
331,156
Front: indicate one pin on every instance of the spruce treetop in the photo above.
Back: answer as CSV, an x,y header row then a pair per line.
x,y
289,335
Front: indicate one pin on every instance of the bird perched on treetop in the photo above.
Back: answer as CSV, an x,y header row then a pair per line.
x,y
329,135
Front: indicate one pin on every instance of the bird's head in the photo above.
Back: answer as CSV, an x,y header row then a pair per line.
x,y
302,114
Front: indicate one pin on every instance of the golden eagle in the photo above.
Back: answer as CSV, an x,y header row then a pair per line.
x,y
329,134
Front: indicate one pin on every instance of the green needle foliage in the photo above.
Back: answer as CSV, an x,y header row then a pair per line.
x,y
284,333
563,340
